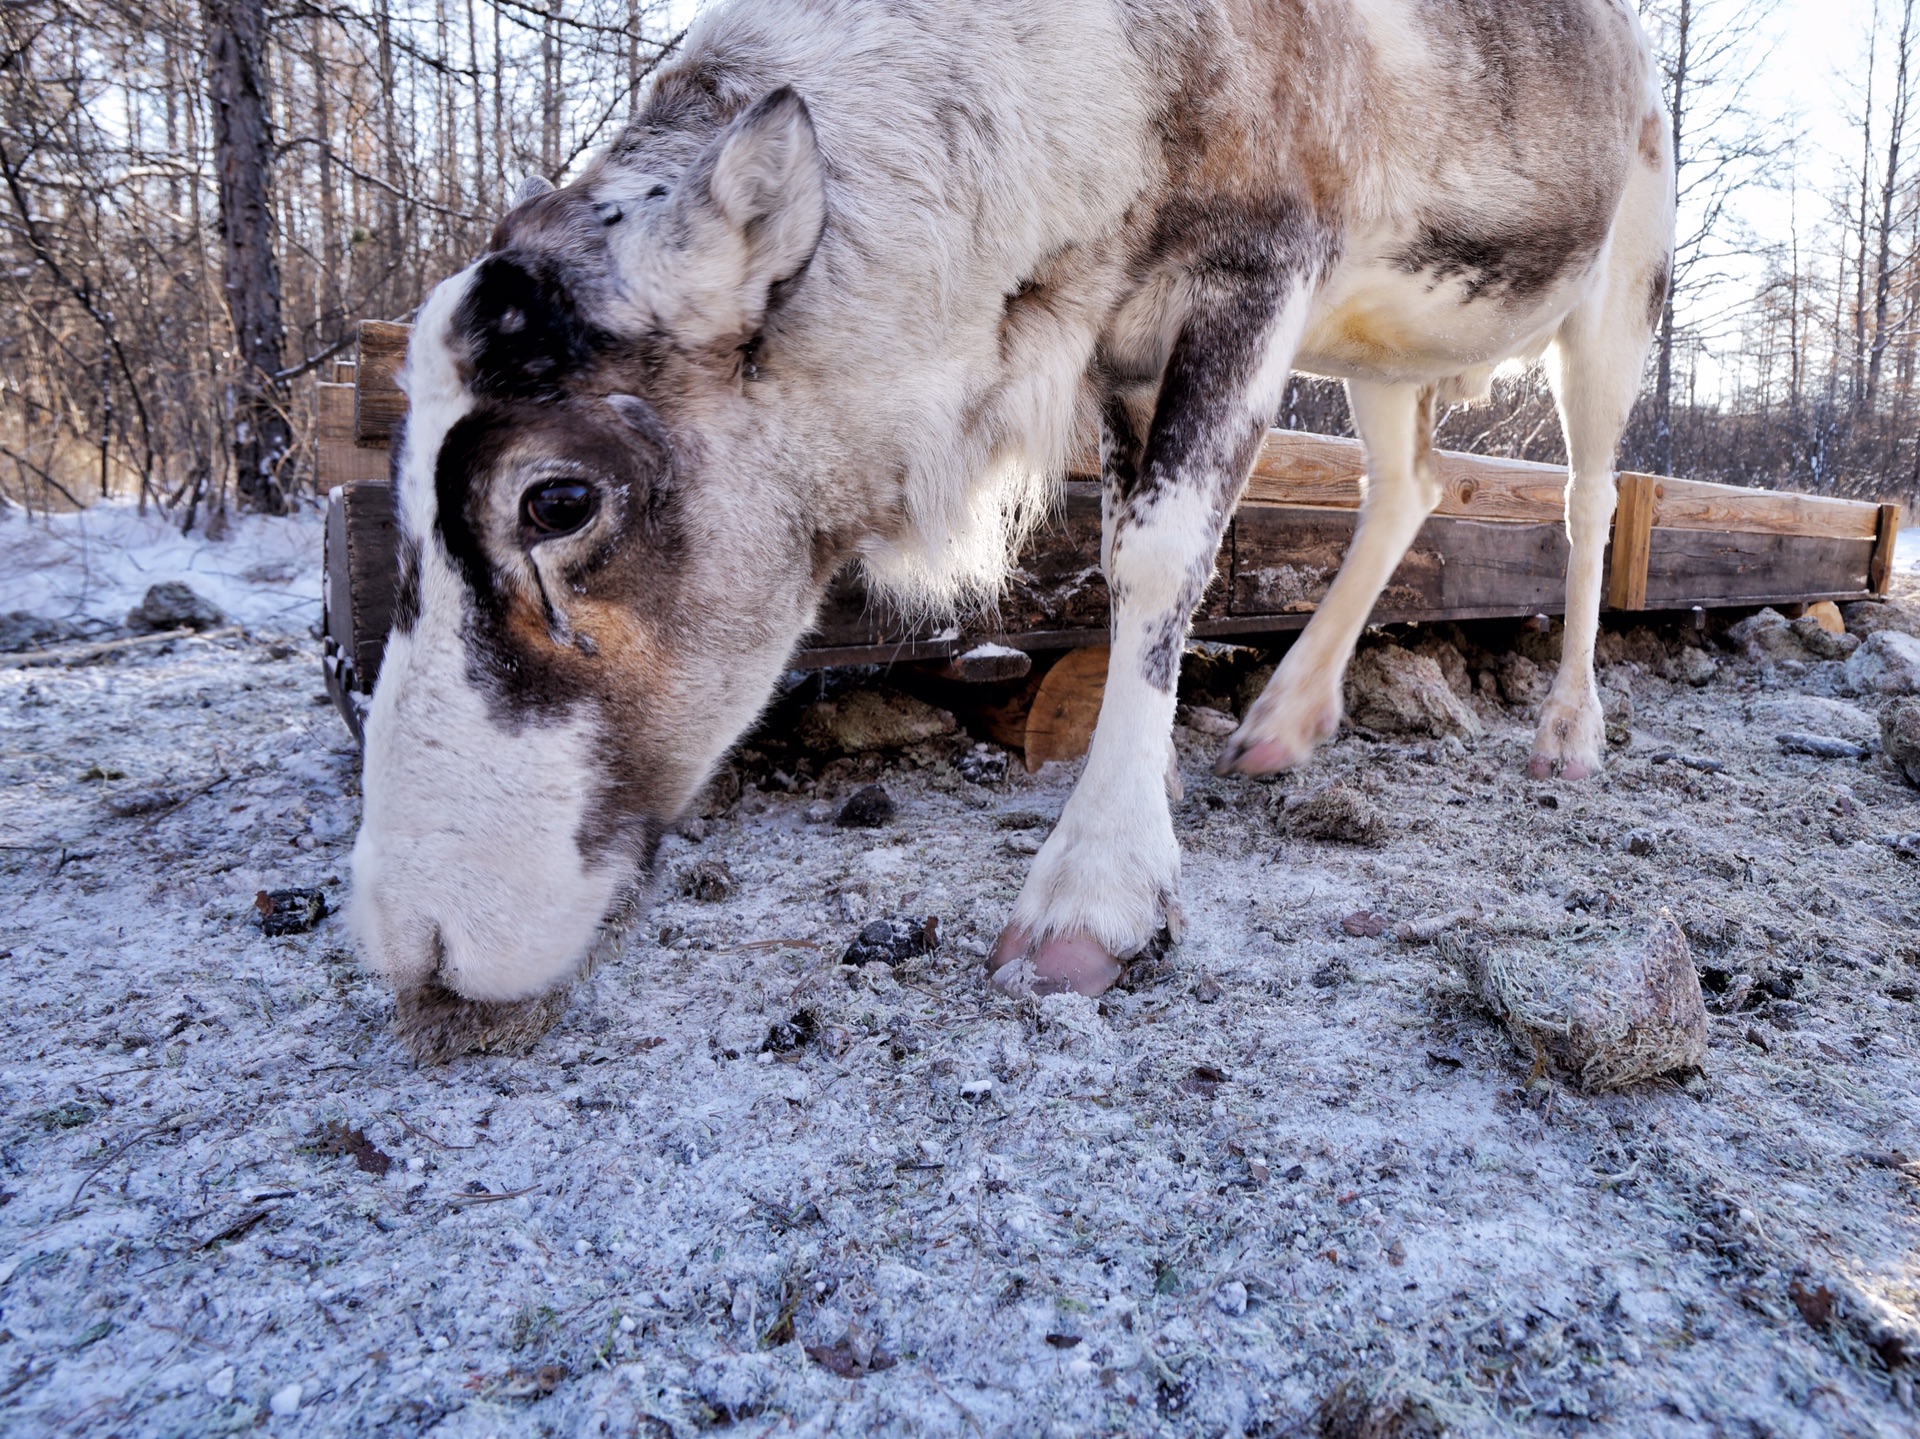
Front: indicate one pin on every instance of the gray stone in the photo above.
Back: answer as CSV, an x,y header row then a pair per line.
x,y
1522,680
1396,691
1693,666
1887,663
22,631
172,606
1900,737
1821,643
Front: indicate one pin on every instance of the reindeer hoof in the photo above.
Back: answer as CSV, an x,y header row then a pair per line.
x,y
1060,964
1259,756
437,1025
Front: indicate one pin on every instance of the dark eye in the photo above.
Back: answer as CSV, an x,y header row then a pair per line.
x,y
558,507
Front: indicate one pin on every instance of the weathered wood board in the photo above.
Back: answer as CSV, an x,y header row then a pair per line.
x,y
1495,546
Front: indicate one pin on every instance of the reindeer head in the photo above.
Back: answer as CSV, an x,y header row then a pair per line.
x,y
604,561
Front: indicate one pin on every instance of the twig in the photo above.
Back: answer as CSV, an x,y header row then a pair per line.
x,y
422,1134
170,1126
463,1201
79,654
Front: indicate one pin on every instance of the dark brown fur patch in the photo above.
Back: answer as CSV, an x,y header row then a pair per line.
x,y
437,1025
1653,140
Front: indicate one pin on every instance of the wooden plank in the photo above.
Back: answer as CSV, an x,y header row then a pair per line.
x,y
1295,468
1704,567
361,575
1632,533
1886,532
333,411
379,403
1702,505
1285,557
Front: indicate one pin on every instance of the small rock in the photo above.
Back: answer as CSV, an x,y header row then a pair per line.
x,y
820,812
1821,746
890,941
1867,617
1231,1297
1396,691
1365,924
172,606
1337,813
709,881
1693,666
23,631
1887,663
1207,989
1027,843
1641,842
791,1034
1900,737
983,765
976,1089
872,719
220,1386
286,1401
1820,642
1523,682
867,808
290,911
1453,664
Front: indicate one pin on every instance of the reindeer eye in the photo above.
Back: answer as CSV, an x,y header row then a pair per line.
x,y
558,507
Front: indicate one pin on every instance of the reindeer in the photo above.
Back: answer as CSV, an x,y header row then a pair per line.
x,y
845,290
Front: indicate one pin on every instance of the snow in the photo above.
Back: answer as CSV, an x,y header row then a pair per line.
x,y
1906,550
980,1215
96,564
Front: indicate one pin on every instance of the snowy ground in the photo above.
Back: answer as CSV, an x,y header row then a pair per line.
x,y
1292,1183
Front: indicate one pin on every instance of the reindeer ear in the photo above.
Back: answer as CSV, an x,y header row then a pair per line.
x,y
532,188
748,218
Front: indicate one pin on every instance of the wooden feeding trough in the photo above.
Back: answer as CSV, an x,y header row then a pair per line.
x,y
1495,547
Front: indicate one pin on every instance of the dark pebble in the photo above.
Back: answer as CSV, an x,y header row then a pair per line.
x,y
867,808
889,941
791,1034
983,766
709,880
290,911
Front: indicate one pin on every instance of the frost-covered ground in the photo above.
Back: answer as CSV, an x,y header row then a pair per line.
x,y
1292,1182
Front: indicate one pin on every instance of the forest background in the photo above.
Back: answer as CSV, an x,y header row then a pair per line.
x,y
202,197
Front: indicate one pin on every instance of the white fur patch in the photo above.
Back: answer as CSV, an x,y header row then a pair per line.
x,y
467,864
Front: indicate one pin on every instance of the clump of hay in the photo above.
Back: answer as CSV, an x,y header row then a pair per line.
x,y
1608,1006
1338,813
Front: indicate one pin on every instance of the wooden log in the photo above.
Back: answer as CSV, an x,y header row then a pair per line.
x,y
1065,707
1296,468
1632,535
1886,532
98,649
379,402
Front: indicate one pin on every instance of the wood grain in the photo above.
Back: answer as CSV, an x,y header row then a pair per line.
x,y
1066,706
1886,531
361,572
379,402
1704,567
1702,505
1632,535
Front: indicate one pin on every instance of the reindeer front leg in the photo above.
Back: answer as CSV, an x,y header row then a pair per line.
x,y
1107,880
